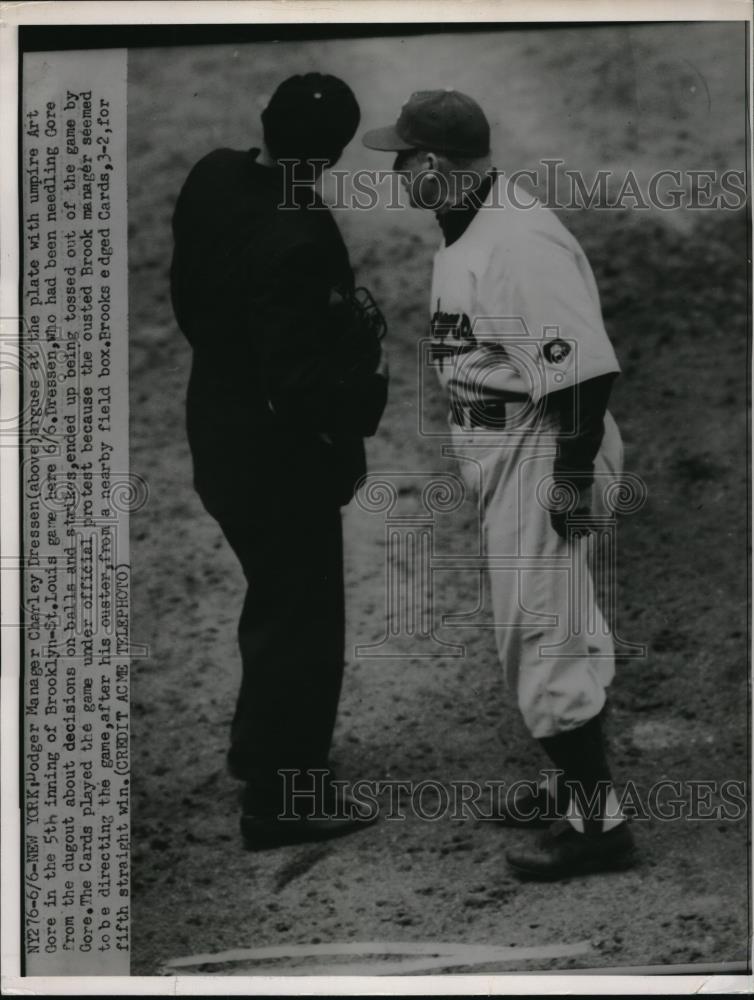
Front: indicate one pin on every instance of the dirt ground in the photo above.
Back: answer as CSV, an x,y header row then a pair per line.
x,y
674,291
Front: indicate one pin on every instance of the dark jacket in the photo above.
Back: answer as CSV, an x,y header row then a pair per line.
x,y
281,393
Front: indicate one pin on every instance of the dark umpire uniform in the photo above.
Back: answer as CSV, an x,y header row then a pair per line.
x,y
284,386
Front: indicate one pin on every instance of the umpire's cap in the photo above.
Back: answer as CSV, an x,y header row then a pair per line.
x,y
439,121
310,117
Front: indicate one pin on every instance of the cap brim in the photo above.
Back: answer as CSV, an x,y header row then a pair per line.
x,y
386,139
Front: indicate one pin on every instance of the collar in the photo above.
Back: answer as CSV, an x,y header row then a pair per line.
x,y
457,220
277,177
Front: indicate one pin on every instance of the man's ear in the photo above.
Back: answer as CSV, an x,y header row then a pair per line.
x,y
431,162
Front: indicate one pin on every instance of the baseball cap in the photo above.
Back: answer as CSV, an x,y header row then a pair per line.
x,y
310,116
443,121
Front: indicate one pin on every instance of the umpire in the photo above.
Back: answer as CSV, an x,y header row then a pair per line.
x,y
287,379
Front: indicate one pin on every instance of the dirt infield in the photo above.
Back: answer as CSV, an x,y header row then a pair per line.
x,y
674,292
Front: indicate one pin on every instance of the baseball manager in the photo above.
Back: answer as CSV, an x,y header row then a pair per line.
x,y
520,348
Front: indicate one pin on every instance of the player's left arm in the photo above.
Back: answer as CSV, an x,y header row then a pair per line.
x,y
580,412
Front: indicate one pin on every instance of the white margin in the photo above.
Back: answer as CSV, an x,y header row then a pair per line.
x,y
10,635
369,11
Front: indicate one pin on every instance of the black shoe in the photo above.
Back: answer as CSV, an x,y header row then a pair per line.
x,y
529,807
563,852
343,815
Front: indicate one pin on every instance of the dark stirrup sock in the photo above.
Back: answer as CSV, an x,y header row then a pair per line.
x,y
580,754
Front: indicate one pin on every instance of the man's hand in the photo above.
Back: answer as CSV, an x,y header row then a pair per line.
x,y
570,512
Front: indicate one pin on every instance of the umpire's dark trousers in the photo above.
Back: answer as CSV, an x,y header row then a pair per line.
x,y
291,636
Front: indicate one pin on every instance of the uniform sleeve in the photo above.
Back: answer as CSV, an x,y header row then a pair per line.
x,y
315,374
550,292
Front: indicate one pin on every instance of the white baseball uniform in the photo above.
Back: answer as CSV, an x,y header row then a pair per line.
x,y
515,316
